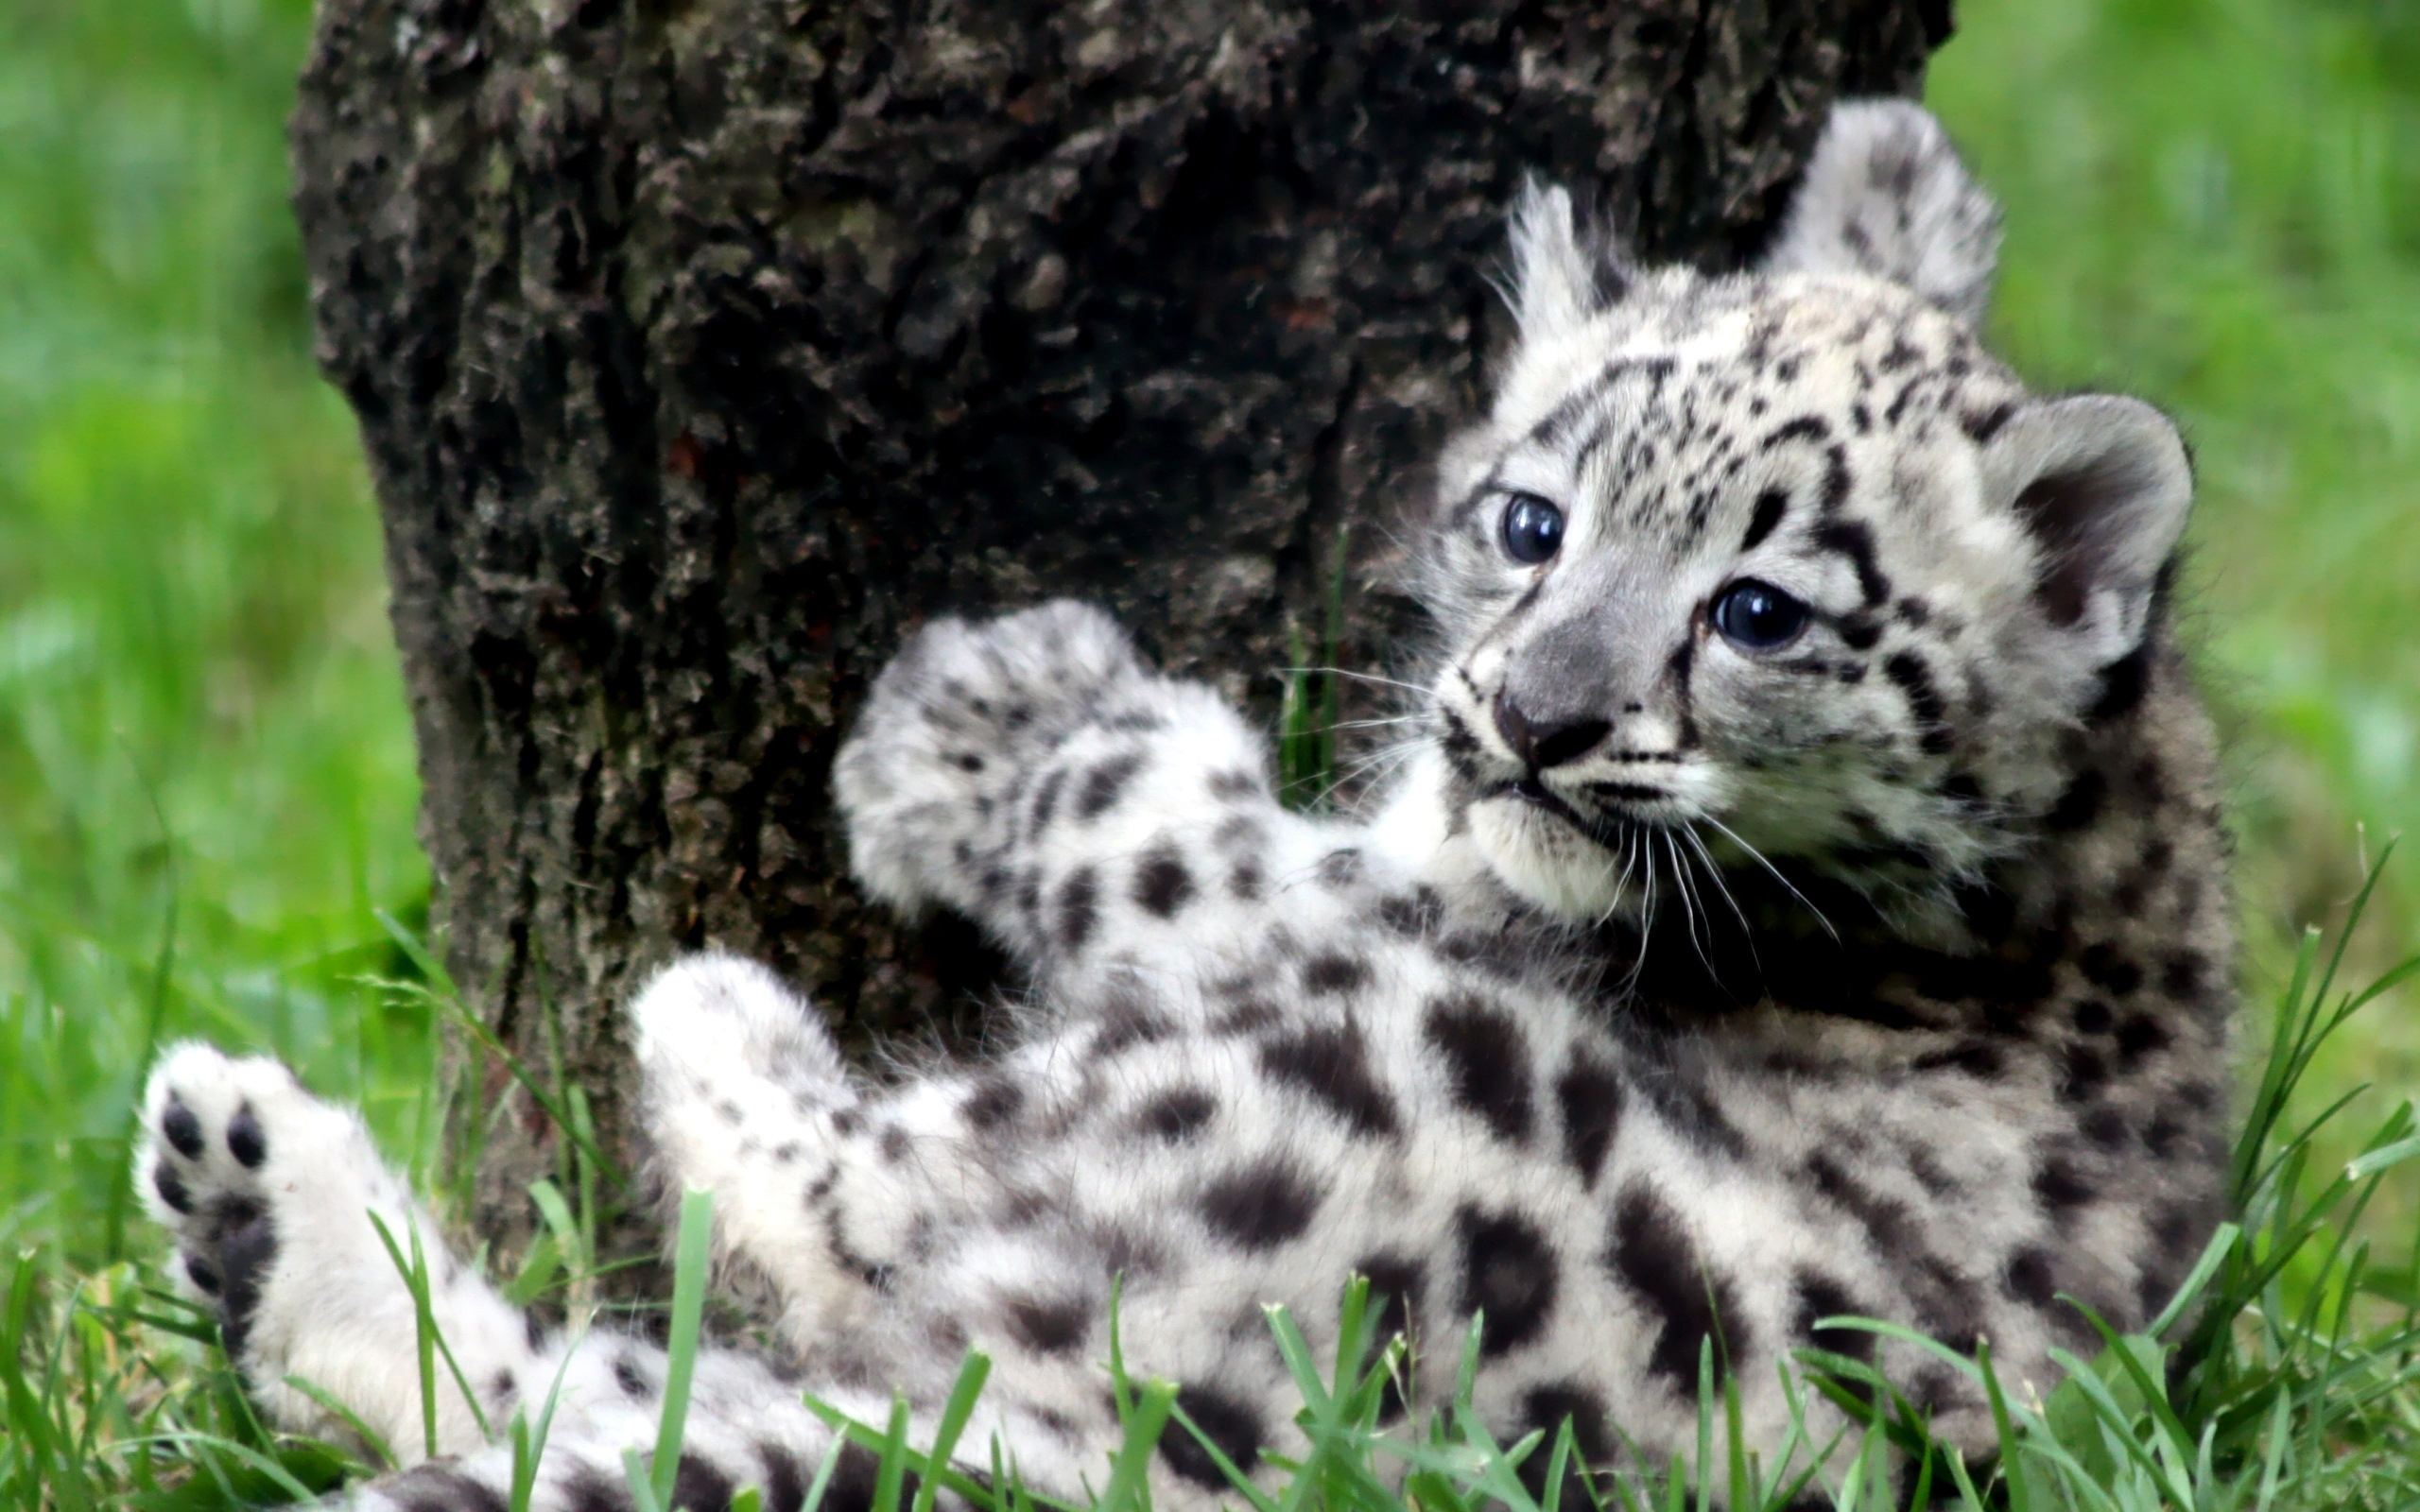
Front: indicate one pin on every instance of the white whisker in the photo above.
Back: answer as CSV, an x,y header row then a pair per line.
x,y
1358,676
1714,873
1758,856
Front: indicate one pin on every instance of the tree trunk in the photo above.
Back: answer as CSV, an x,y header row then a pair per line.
x,y
701,348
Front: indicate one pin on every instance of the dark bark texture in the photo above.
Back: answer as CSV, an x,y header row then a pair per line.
x,y
702,349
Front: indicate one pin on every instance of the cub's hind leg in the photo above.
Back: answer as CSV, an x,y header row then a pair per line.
x,y
821,1192
270,1194
744,1096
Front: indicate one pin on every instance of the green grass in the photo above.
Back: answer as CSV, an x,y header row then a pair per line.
x,y
206,782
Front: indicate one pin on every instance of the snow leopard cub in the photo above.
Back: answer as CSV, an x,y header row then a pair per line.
x,y
1808,901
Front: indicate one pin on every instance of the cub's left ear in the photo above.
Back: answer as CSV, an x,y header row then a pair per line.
x,y
1886,196
2102,485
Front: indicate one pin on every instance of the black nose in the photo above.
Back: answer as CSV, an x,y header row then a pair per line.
x,y
1546,744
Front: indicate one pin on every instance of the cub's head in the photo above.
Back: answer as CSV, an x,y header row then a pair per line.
x,y
1782,564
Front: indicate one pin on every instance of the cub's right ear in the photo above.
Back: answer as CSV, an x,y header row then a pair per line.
x,y
1557,279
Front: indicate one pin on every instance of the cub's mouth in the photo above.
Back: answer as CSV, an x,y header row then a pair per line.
x,y
1612,830
1556,853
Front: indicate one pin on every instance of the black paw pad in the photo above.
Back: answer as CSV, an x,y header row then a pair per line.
x,y
171,1188
244,1140
203,1274
182,1128
245,1250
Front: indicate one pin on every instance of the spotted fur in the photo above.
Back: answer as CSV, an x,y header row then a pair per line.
x,y
1680,999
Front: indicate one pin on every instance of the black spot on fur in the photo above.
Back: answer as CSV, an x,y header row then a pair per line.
x,y
1262,1205
1078,908
1341,867
1176,1113
180,1129
1411,915
1127,1019
995,1101
1801,428
1858,633
1232,786
2080,803
1105,782
1771,504
2061,1186
204,1275
1979,1059
1819,1297
1851,539
1248,1016
589,1488
1544,1409
1653,1255
1914,678
2106,1128
1332,1065
2122,685
1510,1272
1590,1097
1332,972
171,1188
2140,1035
1162,885
2181,978
2091,1015
1981,427
2108,971
2032,1276
1226,1421
699,1487
626,1376
1487,1058
440,1487
1046,798
1397,1285
784,1487
1244,882
1052,1326
856,1476
2084,1073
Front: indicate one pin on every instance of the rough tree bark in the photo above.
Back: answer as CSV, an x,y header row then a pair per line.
x,y
702,347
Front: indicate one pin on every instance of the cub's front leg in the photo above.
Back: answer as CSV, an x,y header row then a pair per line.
x,y
1033,774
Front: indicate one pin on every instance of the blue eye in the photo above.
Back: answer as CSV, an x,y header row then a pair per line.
x,y
1756,616
1532,528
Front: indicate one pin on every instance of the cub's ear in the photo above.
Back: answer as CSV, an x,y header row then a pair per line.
x,y
2102,485
1886,196
1559,279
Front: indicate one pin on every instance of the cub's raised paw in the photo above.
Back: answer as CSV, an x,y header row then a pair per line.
x,y
961,714
251,1173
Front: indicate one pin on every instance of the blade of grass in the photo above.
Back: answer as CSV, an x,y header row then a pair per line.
x,y
690,1254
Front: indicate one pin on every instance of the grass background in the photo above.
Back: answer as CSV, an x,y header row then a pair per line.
x,y
206,780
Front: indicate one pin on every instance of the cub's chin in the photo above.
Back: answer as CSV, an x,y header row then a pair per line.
x,y
1545,861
